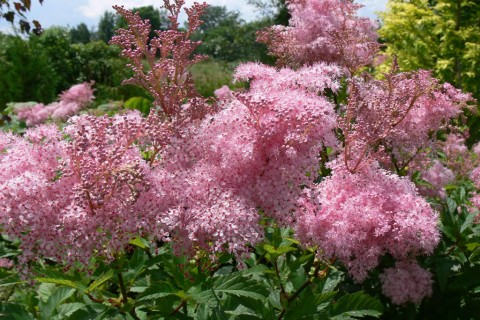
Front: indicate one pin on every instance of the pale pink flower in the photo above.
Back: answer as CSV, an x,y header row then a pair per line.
x,y
323,30
6,263
359,217
406,282
224,93
437,175
80,94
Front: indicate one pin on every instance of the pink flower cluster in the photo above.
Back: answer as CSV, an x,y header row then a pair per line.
x,y
406,282
253,153
359,217
67,199
323,30
6,263
394,120
437,175
224,93
70,103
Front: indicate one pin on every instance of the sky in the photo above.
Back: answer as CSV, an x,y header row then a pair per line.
x,y
73,12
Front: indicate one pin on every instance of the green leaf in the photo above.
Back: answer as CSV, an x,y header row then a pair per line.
x,y
67,309
63,282
156,291
308,305
8,279
468,221
472,246
356,305
55,277
332,281
59,295
234,284
443,270
13,311
276,252
452,205
139,242
100,280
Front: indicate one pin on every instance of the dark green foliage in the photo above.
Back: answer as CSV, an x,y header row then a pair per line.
x,y
57,45
226,37
106,27
275,10
158,19
80,34
39,68
25,72
281,281
210,75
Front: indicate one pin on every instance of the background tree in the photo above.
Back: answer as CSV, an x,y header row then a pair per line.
x,y
158,18
217,16
273,9
442,35
106,26
225,36
80,34
25,71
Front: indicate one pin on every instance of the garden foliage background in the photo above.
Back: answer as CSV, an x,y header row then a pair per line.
x,y
333,179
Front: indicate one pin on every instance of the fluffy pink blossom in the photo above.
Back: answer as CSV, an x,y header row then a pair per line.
x,y
32,114
359,217
224,93
80,94
458,157
6,263
253,153
71,200
406,282
437,175
394,120
323,30
70,103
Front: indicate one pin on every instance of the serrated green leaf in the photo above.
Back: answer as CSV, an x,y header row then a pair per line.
x,y
356,305
468,222
47,310
156,291
67,309
332,281
101,280
9,279
308,305
472,246
452,206
63,282
234,284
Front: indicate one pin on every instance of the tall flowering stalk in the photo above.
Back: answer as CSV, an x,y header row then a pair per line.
x,y
161,64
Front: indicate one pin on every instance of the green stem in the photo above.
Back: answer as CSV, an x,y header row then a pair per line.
x,y
10,293
122,288
283,292
177,309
